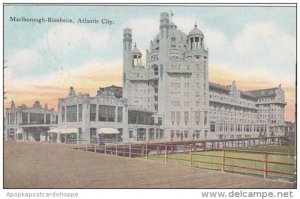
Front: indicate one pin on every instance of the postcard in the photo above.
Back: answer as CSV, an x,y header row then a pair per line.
x,y
161,96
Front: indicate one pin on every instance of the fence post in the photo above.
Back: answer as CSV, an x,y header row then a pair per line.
x,y
86,148
266,166
166,153
295,171
142,151
146,151
104,148
116,150
191,158
130,150
223,160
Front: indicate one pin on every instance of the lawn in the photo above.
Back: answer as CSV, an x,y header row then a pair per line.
x,y
213,160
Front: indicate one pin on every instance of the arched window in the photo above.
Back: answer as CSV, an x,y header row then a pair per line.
x,y
155,69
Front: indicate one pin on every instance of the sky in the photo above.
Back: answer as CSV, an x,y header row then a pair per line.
x,y
255,46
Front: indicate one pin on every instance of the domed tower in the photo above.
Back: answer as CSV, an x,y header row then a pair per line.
x,y
197,54
195,39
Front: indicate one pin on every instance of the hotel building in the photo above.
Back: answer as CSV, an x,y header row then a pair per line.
x,y
170,97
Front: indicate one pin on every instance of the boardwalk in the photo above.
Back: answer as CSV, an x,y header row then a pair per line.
x,y
41,165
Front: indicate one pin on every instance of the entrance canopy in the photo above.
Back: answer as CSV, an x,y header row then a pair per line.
x,y
68,130
107,131
55,130
63,131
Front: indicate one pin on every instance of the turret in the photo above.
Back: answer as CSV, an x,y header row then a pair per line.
x,y
136,56
127,39
164,24
72,92
195,39
127,47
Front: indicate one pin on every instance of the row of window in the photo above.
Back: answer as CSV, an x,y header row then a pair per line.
x,y
105,113
175,117
30,118
221,127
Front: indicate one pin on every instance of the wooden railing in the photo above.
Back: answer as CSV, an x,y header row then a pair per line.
x,y
267,164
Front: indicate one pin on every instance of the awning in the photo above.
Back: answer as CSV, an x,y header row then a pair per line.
x,y
55,130
69,130
107,131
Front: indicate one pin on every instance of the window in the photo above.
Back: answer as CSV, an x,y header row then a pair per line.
x,y
71,113
130,133
120,114
93,112
159,121
63,108
106,113
80,112
186,117
205,118
186,104
48,118
177,117
36,118
186,134
24,118
172,117
212,126
175,103
161,134
197,117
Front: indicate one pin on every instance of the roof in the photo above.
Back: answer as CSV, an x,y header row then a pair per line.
x,y
196,31
245,94
136,51
269,92
218,87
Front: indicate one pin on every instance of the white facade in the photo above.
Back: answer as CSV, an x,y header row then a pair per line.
x,y
29,123
174,81
173,84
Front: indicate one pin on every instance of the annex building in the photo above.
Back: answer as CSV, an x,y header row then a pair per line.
x,y
169,97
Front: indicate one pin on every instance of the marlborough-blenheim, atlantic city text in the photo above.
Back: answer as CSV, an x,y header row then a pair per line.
x,y
41,20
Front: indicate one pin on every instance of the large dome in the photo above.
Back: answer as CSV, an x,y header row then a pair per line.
x,y
195,31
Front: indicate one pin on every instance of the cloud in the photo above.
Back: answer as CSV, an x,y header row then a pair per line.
x,y
264,43
66,36
61,45
24,59
86,78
